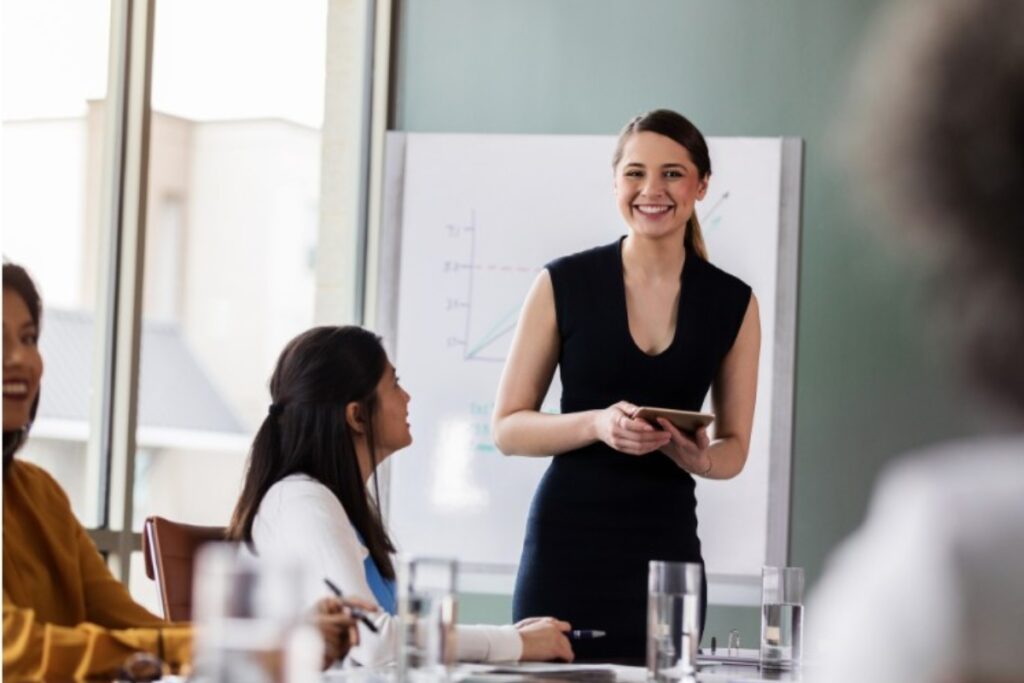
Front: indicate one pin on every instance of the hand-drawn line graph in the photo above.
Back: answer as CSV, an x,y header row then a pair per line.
x,y
490,345
712,217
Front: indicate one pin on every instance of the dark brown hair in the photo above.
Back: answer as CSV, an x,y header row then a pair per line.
x,y
318,374
18,280
678,128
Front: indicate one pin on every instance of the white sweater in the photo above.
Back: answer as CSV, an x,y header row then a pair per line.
x,y
300,517
931,587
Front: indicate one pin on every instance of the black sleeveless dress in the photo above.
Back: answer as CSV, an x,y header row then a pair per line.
x,y
599,516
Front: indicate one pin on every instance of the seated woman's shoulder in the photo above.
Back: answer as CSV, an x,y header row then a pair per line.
x,y
35,478
296,511
298,485
39,485
300,496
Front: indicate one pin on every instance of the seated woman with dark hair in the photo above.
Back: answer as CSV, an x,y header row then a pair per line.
x,y
65,615
337,413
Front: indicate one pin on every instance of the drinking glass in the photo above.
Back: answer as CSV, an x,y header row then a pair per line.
x,y
673,632
252,619
427,617
782,617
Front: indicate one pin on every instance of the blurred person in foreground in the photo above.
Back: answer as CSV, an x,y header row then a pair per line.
x,y
931,587
65,615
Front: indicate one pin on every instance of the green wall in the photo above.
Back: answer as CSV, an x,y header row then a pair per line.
x,y
866,389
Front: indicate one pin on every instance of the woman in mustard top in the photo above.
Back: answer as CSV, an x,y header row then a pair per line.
x,y
65,615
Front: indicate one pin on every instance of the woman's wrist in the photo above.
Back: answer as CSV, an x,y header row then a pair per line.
x,y
707,470
591,428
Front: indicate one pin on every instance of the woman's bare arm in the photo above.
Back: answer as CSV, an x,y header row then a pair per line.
x,y
733,394
518,425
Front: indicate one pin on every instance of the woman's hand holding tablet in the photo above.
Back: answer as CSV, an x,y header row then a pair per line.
x,y
688,443
616,427
686,420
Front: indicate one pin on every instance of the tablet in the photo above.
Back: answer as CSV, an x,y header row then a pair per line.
x,y
686,420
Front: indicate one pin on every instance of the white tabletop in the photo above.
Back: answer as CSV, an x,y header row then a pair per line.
x,y
566,673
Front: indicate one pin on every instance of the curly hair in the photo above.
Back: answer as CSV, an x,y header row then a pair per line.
x,y
938,133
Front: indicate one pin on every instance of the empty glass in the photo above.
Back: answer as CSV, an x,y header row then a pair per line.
x,y
251,619
427,617
673,631
782,617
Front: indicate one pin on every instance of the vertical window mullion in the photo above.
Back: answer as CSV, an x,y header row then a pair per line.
x,y
104,330
119,316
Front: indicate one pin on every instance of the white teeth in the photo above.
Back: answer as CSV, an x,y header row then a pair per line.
x,y
651,209
15,388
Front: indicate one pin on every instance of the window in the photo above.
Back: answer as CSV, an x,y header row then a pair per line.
x,y
52,148
232,207
234,185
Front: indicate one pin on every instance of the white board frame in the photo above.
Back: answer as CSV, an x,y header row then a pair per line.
x,y
724,589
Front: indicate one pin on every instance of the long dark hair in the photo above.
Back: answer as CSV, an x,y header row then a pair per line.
x,y
318,374
676,127
17,279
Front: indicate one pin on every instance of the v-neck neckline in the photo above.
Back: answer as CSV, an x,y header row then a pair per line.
x,y
624,304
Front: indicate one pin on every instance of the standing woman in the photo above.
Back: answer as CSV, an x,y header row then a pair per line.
x,y
646,320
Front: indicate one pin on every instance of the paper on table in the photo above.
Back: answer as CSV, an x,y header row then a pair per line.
x,y
745,656
540,669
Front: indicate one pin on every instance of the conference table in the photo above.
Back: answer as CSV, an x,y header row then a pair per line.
x,y
571,673
554,673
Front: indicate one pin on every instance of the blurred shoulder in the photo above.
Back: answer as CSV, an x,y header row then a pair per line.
x,y
971,472
35,479
962,498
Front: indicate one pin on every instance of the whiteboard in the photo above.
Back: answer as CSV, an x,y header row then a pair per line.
x,y
469,222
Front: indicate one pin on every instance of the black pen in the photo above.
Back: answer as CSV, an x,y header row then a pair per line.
x,y
356,612
585,634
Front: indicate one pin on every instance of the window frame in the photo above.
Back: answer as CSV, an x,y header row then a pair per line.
x,y
358,99
123,182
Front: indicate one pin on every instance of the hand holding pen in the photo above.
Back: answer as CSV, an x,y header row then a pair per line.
x,y
356,611
545,639
337,629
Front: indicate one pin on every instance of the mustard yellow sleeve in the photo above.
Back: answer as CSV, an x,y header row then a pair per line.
x,y
34,650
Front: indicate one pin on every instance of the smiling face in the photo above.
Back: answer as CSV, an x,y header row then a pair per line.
x,y
391,419
23,366
657,185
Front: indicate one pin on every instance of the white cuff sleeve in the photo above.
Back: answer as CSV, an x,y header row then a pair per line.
x,y
489,644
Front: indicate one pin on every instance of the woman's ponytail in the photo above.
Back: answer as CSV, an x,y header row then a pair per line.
x,y
694,240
